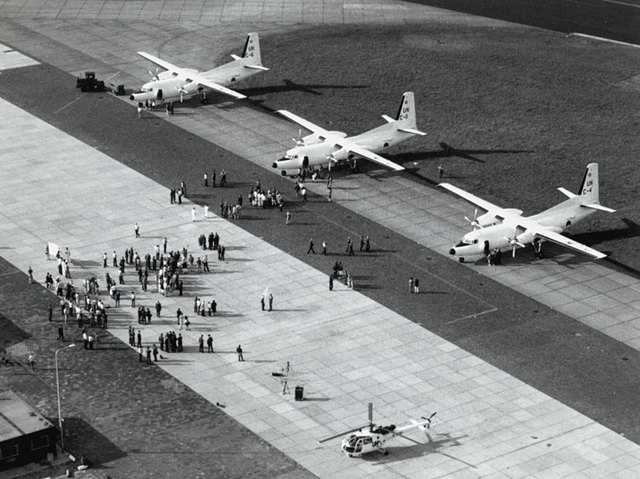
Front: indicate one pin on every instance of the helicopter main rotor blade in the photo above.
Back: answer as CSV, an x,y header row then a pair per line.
x,y
341,434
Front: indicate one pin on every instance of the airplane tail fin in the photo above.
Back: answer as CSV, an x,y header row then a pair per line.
x,y
590,189
406,117
251,52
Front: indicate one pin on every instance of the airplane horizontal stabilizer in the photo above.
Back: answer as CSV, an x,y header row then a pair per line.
x,y
598,207
257,67
388,119
566,192
412,131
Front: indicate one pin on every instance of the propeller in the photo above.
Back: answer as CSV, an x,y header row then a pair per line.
x,y
513,242
331,159
298,141
474,221
154,76
183,91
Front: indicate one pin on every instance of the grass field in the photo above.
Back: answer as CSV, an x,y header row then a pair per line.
x,y
537,106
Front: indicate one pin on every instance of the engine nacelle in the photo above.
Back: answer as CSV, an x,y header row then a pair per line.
x,y
146,95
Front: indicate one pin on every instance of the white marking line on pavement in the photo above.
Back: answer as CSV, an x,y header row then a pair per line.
x,y
592,37
68,104
473,316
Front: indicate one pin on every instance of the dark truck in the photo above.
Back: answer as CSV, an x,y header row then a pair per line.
x,y
89,82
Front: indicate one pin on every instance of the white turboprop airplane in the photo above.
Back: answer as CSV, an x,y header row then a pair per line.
x,y
178,83
325,148
507,229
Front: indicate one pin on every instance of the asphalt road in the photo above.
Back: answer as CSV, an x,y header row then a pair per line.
x,y
616,20
580,367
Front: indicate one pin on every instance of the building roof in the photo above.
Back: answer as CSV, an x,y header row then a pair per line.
x,y
18,418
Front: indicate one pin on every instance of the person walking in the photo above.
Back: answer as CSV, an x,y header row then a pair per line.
x,y
330,282
136,228
311,250
324,248
287,218
239,351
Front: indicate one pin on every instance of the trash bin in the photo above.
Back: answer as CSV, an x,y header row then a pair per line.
x,y
299,393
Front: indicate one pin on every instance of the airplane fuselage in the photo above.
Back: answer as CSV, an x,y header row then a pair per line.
x,y
314,152
557,219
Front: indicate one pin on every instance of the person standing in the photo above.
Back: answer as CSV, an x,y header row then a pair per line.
x,y
50,310
139,339
262,303
193,213
206,180
367,244
32,361
416,286
209,344
30,271
311,250
361,243
137,230
140,353
148,355
155,353
270,302
206,211
239,351
287,218
133,299
330,282
213,179
60,333
201,343
158,308
411,284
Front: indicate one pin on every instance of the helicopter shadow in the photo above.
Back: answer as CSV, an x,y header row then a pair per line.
x,y
437,446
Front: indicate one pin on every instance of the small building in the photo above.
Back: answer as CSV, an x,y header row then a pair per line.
x,y
25,435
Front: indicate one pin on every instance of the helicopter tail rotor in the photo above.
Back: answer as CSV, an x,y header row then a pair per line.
x,y
428,419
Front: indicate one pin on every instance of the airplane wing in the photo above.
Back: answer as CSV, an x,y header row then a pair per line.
x,y
312,127
369,155
494,210
159,61
542,232
340,141
201,80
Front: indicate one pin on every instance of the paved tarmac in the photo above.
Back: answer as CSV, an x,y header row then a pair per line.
x,y
344,348
166,176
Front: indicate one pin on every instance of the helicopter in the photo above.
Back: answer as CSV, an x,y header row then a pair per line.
x,y
371,438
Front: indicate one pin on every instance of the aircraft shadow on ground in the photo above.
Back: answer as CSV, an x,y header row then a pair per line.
x,y
290,85
399,453
447,151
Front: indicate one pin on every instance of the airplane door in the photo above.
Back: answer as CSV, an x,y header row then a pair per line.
x,y
159,95
305,163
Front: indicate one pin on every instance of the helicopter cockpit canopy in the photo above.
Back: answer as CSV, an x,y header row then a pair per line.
x,y
353,444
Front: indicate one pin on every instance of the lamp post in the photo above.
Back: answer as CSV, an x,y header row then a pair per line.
x,y
58,389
